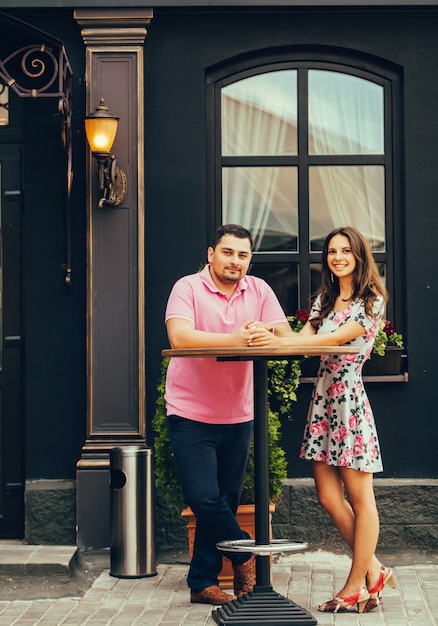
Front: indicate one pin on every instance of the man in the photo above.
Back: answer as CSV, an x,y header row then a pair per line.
x,y
210,403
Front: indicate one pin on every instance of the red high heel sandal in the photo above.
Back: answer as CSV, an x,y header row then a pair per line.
x,y
386,577
356,602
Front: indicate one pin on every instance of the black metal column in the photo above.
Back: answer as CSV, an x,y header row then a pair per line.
x,y
263,606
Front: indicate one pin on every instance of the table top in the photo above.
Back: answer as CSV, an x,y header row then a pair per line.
x,y
267,351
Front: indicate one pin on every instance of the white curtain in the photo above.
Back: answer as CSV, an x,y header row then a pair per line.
x,y
259,118
346,117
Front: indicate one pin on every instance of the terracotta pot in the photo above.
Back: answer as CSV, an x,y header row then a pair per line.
x,y
246,519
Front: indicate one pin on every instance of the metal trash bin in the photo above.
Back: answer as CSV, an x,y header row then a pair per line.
x,y
132,549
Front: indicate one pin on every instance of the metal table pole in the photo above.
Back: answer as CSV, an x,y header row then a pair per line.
x,y
263,606
261,469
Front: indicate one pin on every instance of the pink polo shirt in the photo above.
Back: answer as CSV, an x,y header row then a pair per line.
x,y
207,390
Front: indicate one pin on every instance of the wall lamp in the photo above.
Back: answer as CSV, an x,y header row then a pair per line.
x,y
101,129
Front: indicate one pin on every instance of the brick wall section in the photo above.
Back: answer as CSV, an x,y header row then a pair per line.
x,y
50,507
408,511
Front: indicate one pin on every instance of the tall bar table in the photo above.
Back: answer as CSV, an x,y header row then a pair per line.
x,y
263,606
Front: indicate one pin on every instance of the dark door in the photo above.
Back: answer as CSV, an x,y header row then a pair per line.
x,y
11,428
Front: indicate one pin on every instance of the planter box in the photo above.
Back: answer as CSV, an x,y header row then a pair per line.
x,y
245,517
387,365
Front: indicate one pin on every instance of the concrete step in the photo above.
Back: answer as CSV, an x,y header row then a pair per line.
x,y
17,559
30,572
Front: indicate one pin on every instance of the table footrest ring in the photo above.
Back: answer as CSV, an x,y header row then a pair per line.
x,y
274,545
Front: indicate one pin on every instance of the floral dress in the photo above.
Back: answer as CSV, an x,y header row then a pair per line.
x,y
340,428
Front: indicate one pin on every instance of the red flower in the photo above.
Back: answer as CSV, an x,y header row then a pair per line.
x,y
388,328
302,315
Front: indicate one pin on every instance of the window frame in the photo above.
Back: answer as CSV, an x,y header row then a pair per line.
x,y
369,68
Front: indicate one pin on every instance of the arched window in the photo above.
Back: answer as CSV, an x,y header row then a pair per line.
x,y
299,147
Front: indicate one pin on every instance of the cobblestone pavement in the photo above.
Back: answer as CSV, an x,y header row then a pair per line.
x,y
163,600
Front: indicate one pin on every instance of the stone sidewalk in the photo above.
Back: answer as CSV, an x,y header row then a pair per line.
x,y
163,600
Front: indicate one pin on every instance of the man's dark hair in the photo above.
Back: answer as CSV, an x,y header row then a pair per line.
x,y
231,229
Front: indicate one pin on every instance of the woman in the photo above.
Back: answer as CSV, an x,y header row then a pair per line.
x,y
340,437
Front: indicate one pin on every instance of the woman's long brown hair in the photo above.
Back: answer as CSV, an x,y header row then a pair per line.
x,y
367,283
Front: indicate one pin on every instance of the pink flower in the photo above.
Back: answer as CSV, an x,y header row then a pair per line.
x,y
340,434
370,333
357,390
345,458
374,452
373,448
358,445
343,315
348,358
320,456
368,412
329,409
337,389
320,428
334,366
353,422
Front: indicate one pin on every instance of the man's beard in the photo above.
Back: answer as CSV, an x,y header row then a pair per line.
x,y
234,278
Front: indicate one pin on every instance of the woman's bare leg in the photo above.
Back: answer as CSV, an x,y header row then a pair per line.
x,y
330,490
360,493
357,522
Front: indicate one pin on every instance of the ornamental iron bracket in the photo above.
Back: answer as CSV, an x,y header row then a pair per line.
x,y
39,68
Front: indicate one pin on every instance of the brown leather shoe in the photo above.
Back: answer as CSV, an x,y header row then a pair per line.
x,y
210,595
244,577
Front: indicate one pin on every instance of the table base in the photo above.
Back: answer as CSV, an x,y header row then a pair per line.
x,y
263,607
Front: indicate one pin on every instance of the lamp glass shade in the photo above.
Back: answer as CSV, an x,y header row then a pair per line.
x,y
101,132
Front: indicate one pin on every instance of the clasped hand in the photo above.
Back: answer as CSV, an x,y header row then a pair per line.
x,y
259,334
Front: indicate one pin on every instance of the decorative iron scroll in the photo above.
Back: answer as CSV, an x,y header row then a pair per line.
x,y
36,70
43,71
39,71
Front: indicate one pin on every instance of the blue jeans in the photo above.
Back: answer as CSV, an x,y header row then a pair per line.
x,y
211,461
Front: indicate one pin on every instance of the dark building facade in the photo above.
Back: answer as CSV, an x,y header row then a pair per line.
x,y
84,288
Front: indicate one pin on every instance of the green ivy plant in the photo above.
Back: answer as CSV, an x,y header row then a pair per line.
x,y
284,376
386,336
166,476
